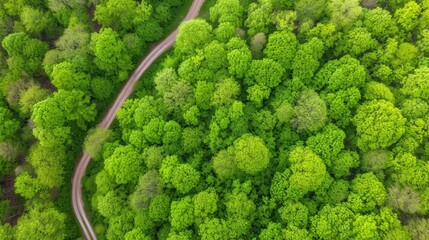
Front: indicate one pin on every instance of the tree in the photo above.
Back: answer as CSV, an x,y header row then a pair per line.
x,y
165,79
367,193
340,75
404,199
308,171
34,20
26,186
193,34
378,125
184,178
258,17
225,92
42,223
310,9
375,160
117,14
213,229
282,47
265,72
48,164
26,53
224,164
344,13
357,41
310,112
365,227
251,154
306,60
227,11
328,143
413,108
182,213
239,62
205,204
418,228
9,126
125,164
149,186
94,141
159,208
344,163
416,85
406,17
272,232
179,97
333,223
110,204
379,23
53,116
257,44
225,31
29,97
110,53
66,76
376,90
294,214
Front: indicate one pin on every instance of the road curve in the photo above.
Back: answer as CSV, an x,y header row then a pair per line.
x,y
79,173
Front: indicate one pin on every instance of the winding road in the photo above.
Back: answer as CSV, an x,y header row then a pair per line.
x,y
79,173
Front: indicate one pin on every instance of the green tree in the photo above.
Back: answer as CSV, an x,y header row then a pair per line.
x,y
294,214
184,178
417,84
66,76
182,213
367,193
205,204
29,97
265,72
42,223
193,34
328,143
213,229
418,228
34,20
159,208
149,186
376,91
365,227
306,60
26,185
251,154
406,17
9,126
110,53
48,163
308,171
125,164
94,141
378,125
379,23
258,17
117,14
333,223
227,11
310,112
344,13
282,47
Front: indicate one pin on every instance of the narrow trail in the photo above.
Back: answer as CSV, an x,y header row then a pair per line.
x,y
79,173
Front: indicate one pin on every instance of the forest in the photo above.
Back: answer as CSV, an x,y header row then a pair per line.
x,y
268,119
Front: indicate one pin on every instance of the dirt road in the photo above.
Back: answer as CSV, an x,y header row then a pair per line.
x,y
77,200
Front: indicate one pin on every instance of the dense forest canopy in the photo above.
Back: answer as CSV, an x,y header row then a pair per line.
x,y
269,119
